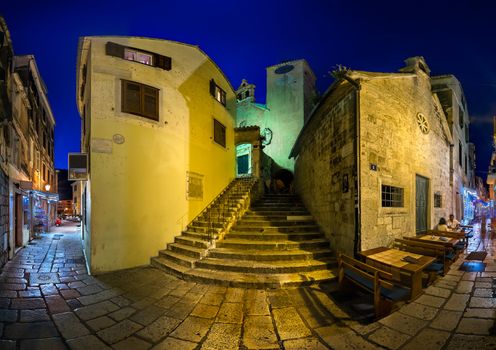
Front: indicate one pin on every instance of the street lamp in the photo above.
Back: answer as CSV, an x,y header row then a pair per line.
x,y
47,187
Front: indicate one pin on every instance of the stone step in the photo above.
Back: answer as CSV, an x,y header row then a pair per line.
x,y
276,201
227,201
276,206
273,222
263,267
199,229
274,236
272,245
188,250
169,266
284,229
218,211
260,281
178,258
213,223
193,242
271,213
198,235
271,255
282,195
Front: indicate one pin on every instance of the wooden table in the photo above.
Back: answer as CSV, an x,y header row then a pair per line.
x,y
459,234
390,260
450,241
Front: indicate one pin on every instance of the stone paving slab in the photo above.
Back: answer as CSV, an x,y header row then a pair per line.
x,y
69,325
259,333
222,336
146,308
389,338
31,330
175,344
192,329
289,324
43,278
119,331
41,344
428,339
446,320
159,329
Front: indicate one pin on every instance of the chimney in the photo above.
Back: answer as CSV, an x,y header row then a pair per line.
x,y
415,65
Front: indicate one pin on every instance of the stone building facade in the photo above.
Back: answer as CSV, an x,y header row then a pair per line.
x,y
26,149
290,96
33,193
158,122
373,160
462,155
491,174
6,56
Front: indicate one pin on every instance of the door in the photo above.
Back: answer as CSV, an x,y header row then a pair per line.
x,y
243,164
243,159
421,202
18,220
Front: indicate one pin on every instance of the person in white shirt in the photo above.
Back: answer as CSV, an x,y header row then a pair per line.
x,y
453,223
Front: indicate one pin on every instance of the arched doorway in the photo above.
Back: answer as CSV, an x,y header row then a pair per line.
x,y
247,140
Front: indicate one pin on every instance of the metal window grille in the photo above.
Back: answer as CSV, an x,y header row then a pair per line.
x,y
392,196
438,200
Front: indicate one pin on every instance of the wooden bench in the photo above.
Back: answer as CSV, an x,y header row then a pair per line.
x,y
373,280
424,248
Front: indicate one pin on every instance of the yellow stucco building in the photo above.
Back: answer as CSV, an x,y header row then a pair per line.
x,y
158,123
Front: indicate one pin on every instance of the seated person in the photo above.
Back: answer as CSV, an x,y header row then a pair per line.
x,y
442,226
453,223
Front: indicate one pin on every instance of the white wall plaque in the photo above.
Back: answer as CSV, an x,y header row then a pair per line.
x,y
101,145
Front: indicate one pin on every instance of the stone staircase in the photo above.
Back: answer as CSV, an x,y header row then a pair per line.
x,y
276,243
210,225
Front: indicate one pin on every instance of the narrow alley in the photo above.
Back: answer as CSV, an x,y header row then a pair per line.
x,y
48,301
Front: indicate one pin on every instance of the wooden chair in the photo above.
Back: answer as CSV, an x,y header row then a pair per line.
x,y
373,280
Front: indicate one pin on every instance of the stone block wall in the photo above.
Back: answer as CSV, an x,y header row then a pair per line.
x,y
391,139
325,168
4,218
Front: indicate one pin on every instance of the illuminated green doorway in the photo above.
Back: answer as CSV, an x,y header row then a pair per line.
x,y
243,159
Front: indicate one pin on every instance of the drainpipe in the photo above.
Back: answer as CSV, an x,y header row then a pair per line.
x,y
357,243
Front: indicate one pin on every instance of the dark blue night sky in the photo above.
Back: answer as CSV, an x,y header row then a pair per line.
x,y
243,37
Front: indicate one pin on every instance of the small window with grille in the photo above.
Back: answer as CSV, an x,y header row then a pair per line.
x,y
438,200
392,196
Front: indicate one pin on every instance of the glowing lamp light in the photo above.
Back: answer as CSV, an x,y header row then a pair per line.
x,y
47,187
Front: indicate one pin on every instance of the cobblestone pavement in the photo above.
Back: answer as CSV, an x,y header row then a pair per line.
x,y
48,301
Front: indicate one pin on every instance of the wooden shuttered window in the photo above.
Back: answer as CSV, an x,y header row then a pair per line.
x,y
212,87
140,99
113,49
159,61
217,92
219,133
163,62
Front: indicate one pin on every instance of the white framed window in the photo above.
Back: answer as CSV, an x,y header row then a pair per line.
x,y
138,56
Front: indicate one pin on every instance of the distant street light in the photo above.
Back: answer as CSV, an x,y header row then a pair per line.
x,y
47,187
